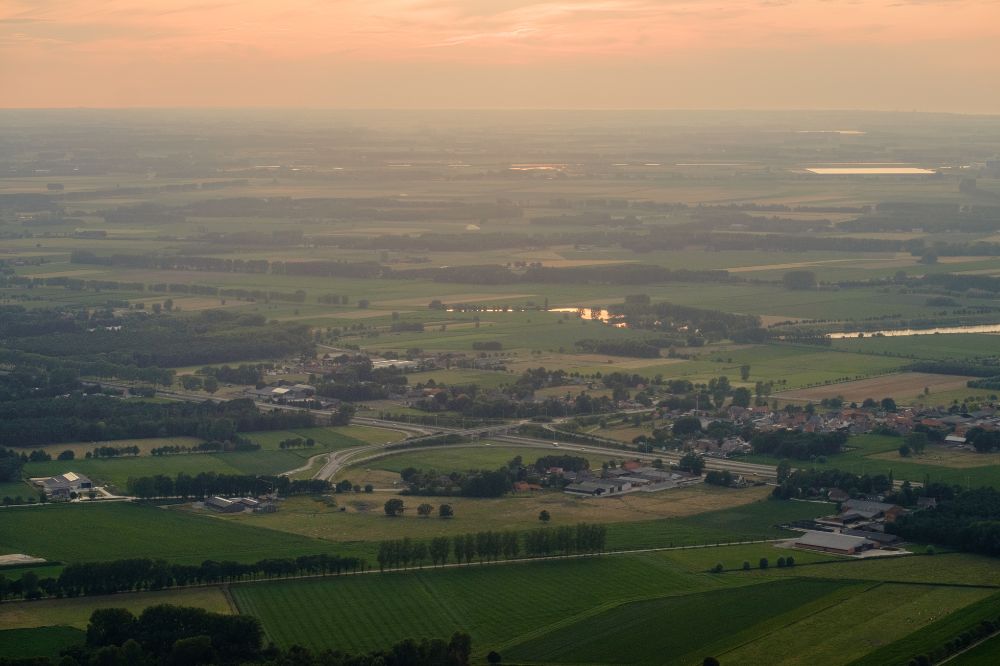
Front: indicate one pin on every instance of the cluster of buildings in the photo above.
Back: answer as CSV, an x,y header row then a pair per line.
x,y
632,476
284,393
239,504
858,527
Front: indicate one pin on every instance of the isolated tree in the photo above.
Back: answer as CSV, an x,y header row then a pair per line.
x,y
763,564
744,372
746,565
424,510
544,516
211,384
394,507
445,511
784,470
493,657
369,488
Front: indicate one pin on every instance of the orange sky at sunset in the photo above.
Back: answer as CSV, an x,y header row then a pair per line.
x,y
929,55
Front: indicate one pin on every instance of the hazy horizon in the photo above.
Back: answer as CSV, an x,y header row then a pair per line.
x,y
891,55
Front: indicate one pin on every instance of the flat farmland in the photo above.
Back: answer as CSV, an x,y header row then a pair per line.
x,y
76,612
643,632
930,347
117,530
270,459
494,604
905,387
659,519
38,641
850,628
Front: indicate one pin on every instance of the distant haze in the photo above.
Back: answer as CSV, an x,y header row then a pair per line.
x,y
928,55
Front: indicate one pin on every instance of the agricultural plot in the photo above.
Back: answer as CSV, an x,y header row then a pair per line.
x,y
121,530
270,459
634,520
38,641
495,604
850,628
76,612
927,347
904,387
939,632
644,632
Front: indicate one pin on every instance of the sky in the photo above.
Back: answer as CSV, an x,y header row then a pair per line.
x,y
925,55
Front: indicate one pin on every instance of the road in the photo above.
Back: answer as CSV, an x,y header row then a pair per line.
x,y
417,433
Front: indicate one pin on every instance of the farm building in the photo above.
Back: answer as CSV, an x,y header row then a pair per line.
x,y
60,487
872,510
223,505
599,488
830,542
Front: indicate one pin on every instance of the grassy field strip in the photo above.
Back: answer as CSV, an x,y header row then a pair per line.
x,y
887,613
490,602
685,627
935,634
802,614
76,612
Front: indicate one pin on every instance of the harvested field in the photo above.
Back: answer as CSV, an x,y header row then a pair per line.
x,y
902,385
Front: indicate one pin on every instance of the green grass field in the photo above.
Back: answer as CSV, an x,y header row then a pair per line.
x,y
270,459
878,454
496,604
38,641
646,632
120,530
76,612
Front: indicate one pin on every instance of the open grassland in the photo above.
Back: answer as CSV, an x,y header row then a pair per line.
x,y
270,459
496,604
116,471
119,530
852,627
80,449
904,387
940,632
38,641
633,608
76,612
755,520
879,454
672,516
929,347
14,488
687,628
942,569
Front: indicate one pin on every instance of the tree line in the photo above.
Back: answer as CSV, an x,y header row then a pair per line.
x,y
490,546
208,484
136,574
101,418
